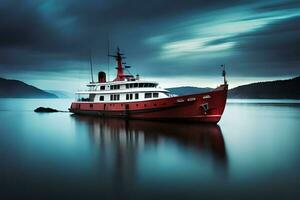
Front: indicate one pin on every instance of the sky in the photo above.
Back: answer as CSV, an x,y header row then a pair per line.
x,y
177,43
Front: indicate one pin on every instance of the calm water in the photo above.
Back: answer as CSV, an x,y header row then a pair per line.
x,y
254,153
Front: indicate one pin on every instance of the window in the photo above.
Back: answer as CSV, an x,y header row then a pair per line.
x,y
129,96
135,85
136,95
131,85
101,98
155,95
140,84
114,97
127,85
115,87
102,87
146,85
148,95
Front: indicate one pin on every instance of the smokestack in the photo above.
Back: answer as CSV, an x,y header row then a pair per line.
x,y
101,77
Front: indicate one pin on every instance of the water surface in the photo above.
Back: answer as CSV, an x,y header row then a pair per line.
x,y
253,153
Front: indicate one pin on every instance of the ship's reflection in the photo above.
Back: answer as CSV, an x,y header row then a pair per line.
x,y
126,138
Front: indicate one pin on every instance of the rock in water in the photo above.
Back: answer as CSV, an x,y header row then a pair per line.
x,y
47,110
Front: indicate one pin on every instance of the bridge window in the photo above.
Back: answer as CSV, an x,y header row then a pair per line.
x,y
115,87
101,98
155,95
102,87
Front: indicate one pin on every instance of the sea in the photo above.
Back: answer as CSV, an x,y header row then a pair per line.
x,y
252,153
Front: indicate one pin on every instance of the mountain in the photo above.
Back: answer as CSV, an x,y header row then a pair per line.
x,y
19,89
280,89
187,90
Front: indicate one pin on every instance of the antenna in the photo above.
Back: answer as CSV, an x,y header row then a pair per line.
x,y
108,59
224,73
91,64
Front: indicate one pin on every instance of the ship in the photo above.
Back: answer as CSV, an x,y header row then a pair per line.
x,y
130,97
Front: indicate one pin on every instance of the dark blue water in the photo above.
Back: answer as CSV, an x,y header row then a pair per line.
x,y
253,153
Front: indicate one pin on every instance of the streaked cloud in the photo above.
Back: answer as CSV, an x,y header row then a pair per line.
x,y
220,34
192,47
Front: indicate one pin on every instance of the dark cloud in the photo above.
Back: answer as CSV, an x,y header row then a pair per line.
x,y
278,41
57,36
32,31
271,50
280,5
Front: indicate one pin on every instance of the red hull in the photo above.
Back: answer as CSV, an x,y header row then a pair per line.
x,y
204,107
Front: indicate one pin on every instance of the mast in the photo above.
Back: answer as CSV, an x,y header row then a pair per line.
x,y
120,66
120,70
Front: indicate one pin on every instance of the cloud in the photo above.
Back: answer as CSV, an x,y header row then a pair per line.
x,y
160,38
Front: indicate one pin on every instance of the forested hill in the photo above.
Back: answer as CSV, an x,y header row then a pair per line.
x,y
280,89
19,89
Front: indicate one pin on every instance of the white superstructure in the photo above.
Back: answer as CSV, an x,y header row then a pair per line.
x,y
121,91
